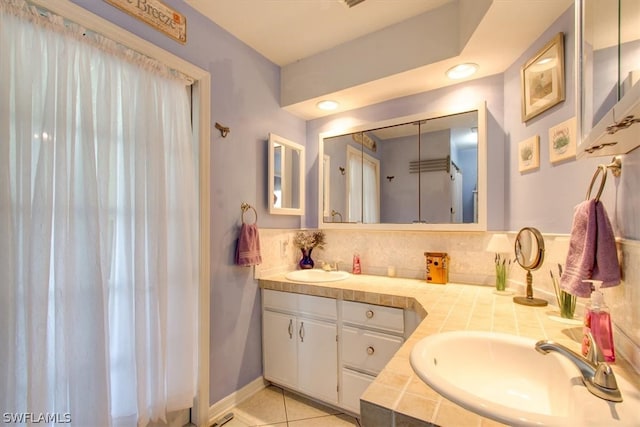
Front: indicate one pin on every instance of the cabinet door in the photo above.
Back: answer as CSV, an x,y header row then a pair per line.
x,y
353,385
279,338
317,359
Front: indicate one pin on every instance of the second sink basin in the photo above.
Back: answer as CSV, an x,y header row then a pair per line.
x,y
504,378
316,276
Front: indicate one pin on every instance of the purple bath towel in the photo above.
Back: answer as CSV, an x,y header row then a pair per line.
x,y
248,248
592,251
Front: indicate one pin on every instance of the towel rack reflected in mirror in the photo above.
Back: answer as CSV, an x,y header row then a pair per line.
x,y
616,170
245,207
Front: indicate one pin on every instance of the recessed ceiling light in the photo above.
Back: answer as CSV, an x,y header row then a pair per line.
x,y
461,71
327,105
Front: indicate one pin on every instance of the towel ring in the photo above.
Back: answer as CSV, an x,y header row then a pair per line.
x,y
602,169
245,207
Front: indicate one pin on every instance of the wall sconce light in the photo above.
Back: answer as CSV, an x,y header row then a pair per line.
x,y
341,170
224,131
390,178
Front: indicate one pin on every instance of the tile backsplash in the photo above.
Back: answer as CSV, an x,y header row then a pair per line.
x,y
469,263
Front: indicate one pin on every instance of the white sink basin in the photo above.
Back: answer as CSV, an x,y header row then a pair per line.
x,y
504,378
316,275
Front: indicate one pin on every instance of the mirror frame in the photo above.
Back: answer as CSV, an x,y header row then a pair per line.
x,y
273,140
539,254
481,225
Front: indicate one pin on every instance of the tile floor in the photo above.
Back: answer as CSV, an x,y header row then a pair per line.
x,y
276,407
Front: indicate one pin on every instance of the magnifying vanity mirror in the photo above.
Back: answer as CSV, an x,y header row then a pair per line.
x,y
421,172
529,249
286,177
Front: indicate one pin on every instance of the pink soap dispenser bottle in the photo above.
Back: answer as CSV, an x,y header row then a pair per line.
x,y
597,319
357,268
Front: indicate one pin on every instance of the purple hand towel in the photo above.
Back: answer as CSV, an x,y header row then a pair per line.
x,y
582,250
592,251
248,248
606,266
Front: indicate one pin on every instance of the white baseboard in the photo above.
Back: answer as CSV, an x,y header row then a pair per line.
x,y
226,404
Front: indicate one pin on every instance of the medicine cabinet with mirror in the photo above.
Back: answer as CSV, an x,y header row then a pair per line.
x,y
608,54
286,177
421,172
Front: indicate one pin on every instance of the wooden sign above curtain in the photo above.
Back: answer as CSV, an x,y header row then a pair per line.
x,y
156,14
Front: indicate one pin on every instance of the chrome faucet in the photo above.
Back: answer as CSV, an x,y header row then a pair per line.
x,y
328,266
597,375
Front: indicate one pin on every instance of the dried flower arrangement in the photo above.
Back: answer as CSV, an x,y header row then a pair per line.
x,y
309,239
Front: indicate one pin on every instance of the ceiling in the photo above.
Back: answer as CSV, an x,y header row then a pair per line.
x,y
292,32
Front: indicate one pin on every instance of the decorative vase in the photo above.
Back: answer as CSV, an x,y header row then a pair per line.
x,y
501,277
306,262
567,304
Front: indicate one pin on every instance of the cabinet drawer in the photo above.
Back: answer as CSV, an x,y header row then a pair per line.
x,y
276,300
367,350
318,306
353,385
299,304
373,316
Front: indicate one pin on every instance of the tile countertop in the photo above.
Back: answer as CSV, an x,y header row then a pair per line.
x,y
398,396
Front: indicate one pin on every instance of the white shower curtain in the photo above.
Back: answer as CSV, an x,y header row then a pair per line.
x,y
98,226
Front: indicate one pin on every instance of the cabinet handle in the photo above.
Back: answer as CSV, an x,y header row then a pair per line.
x,y
290,328
301,332
622,124
599,147
370,350
369,314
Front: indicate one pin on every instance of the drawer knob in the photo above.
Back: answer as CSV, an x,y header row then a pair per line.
x,y
370,350
369,314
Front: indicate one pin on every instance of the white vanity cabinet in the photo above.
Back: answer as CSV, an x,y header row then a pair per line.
x,y
299,343
369,337
327,349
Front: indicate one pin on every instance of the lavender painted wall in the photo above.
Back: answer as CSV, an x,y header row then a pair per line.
x,y
245,91
400,195
489,89
545,197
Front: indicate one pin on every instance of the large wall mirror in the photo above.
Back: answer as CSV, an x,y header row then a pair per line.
x,y
286,176
423,172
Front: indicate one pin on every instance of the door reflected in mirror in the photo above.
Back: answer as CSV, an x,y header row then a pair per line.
x,y
425,171
286,176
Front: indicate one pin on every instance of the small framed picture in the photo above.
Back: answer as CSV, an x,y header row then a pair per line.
x,y
562,141
529,154
542,79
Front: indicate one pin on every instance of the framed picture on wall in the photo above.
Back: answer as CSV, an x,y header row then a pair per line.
x,y
542,79
562,141
529,154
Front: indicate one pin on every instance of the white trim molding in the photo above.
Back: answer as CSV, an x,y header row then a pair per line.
x,y
225,405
